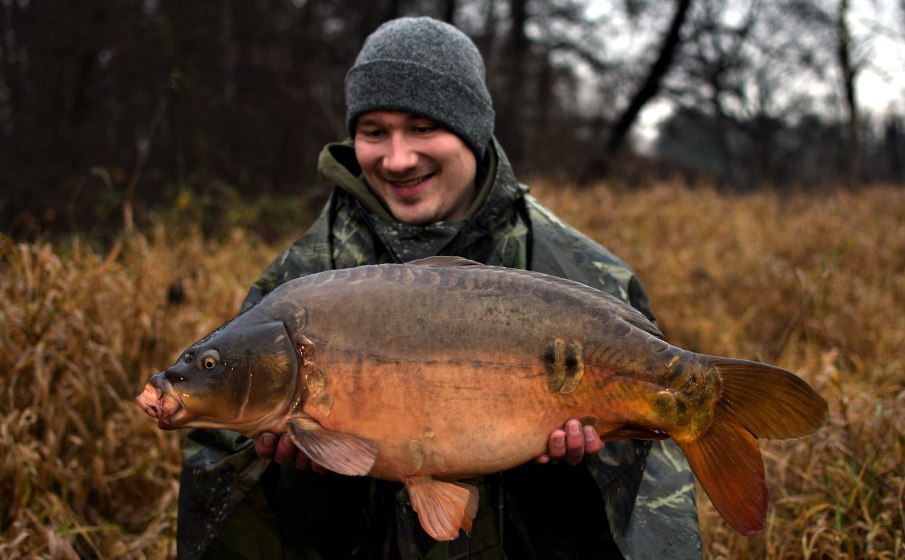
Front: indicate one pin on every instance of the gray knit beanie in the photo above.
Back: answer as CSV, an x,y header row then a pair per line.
x,y
425,67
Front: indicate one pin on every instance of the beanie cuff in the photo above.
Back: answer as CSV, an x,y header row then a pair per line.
x,y
394,85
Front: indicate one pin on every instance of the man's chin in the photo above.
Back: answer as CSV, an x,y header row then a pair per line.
x,y
414,214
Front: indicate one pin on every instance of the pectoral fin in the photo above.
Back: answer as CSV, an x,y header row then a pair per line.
x,y
339,452
443,507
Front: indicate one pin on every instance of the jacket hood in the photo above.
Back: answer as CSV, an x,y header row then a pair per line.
x,y
494,209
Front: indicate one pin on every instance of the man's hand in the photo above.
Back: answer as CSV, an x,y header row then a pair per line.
x,y
284,452
571,443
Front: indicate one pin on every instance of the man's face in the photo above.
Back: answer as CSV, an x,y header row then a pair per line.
x,y
423,172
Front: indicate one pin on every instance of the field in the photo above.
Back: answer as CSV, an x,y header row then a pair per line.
x,y
811,282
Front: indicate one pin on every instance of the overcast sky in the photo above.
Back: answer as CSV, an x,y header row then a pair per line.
x,y
879,27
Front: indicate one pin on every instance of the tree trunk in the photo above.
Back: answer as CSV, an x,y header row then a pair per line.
x,y
449,10
512,127
651,84
648,90
849,75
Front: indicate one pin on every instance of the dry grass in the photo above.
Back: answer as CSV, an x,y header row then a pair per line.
x,y
82,473
814,283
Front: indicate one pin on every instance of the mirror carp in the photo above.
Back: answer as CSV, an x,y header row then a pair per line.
x,y
443,369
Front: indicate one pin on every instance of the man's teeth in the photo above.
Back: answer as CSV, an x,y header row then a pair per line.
x,y
410,182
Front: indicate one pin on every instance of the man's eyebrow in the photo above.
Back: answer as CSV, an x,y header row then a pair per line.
x,y
367,121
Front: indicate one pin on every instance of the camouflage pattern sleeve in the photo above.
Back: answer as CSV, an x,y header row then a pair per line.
x,y
664,523
310,253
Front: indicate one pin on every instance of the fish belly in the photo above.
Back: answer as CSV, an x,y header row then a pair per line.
x,y
458,420
451,421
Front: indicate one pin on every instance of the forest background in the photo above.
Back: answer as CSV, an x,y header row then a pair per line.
x,y
156,155
112,110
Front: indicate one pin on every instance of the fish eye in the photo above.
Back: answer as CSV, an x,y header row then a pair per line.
x,y
210,359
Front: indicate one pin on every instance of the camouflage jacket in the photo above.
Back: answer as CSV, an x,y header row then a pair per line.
x,y
635,500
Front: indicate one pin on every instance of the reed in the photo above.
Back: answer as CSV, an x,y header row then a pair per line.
x,y
82,474
811,282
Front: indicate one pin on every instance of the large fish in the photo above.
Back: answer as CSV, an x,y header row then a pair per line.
x,y
444,369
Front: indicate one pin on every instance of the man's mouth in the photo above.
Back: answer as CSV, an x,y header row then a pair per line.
x,y
410,182
408,185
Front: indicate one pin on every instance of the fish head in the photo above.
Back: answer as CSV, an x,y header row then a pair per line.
x,y
239,377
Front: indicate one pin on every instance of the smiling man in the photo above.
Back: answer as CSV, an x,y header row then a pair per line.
x,y
421,171
422,175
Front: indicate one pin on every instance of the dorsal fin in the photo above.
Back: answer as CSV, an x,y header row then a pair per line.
x,y
444,261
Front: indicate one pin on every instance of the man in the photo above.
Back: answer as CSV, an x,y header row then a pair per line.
x,y
424,176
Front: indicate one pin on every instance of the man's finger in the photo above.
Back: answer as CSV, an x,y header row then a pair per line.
x,y
556,446
266,446
592,442
286,451
574,442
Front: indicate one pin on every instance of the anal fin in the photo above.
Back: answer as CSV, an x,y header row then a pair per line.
x,y
442,507
339,452
727,462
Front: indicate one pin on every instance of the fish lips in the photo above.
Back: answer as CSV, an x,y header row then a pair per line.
x,y
158,401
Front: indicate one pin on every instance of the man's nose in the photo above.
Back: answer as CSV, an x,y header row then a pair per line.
x,y
401,155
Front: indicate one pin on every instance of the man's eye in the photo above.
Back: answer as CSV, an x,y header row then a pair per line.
x,y
372,133
426,129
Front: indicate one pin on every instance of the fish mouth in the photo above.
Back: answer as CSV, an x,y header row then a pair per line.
x,y
160,404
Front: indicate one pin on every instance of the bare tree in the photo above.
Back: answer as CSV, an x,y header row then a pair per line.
x,y
647,90
849,71
655,75
712,77
517,55
449,10
752,76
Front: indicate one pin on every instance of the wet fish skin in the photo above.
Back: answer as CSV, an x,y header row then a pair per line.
x,y
443,369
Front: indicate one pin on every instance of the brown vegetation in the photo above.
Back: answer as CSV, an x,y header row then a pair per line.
x,y
814,283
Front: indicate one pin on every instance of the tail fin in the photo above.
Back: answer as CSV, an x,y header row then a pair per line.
x,y
756,401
